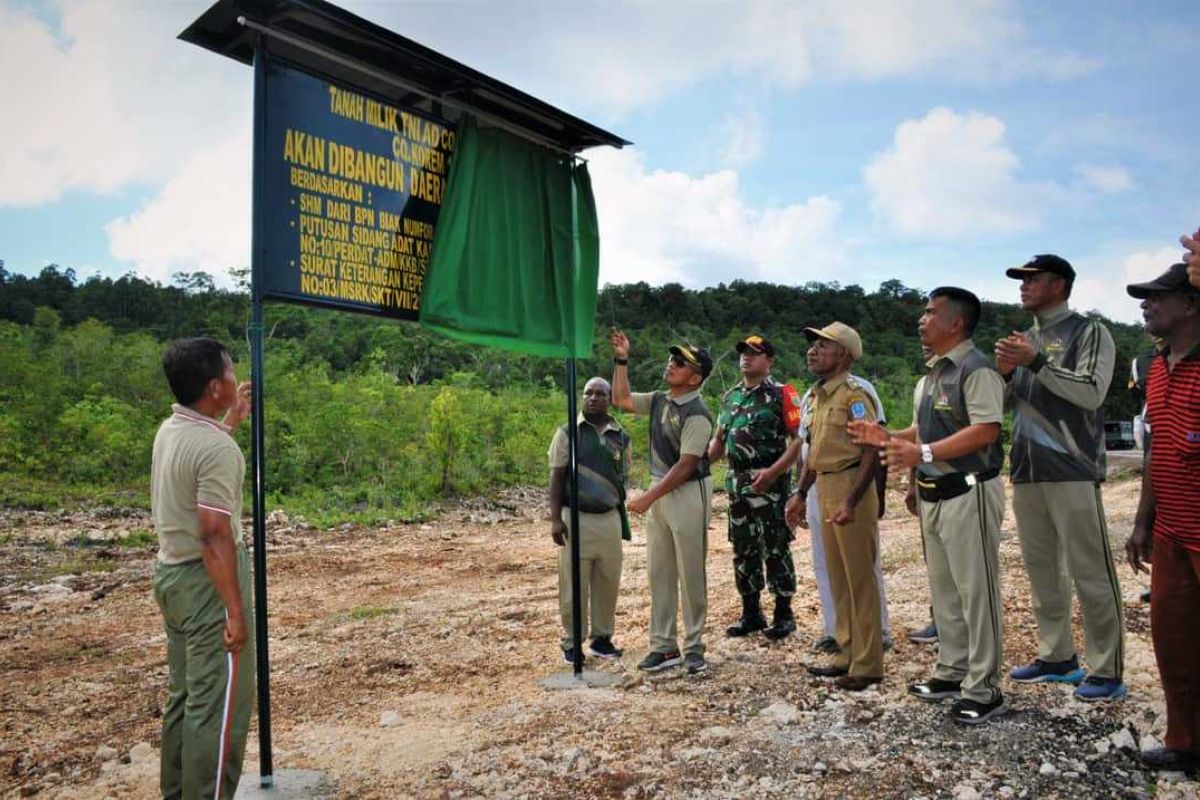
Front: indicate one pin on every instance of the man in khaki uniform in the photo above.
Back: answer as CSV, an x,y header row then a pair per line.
x,y
202,578
678,500
844,473
603,461
955,447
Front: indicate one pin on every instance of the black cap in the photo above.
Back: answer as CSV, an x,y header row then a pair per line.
x,y
756,344
696,356
1174,279
1055,265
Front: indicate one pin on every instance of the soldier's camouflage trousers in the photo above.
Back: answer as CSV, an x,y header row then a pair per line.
x,y
760,536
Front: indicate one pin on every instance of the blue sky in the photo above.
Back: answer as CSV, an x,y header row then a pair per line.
x,y
852,141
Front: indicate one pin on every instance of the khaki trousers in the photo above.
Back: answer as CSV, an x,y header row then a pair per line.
x,y
962,550
599,570
850,553
676,548
1064,540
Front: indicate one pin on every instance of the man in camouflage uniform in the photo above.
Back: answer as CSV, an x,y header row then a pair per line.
x,y
756,429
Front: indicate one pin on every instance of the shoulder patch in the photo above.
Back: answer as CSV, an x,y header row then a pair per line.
x,y
858,410
791,407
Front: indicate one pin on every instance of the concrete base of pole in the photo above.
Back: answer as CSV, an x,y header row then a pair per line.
x,y
589,679
301,784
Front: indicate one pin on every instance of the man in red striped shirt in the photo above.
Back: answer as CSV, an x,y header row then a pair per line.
x,y
1166,531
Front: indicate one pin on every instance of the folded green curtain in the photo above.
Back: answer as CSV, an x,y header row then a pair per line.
x,y
516,255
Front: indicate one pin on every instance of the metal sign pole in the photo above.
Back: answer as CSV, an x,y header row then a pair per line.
x,y
258,450
573,477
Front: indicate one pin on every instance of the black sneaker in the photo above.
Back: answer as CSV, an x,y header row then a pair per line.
x,y
927,635
827,645
694,663
972,712
935,689
1161,758
656,662
568,654
603,647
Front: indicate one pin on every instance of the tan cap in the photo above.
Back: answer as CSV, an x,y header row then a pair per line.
x,y
841,333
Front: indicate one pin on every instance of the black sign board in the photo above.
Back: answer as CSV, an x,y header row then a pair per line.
x,y
350,192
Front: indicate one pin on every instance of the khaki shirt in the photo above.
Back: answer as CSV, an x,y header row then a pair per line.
x,y
983,391
559,446
196,464
835,402
693,439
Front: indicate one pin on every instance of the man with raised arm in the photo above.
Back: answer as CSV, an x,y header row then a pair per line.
x,y
202,577
678,503
1192,257
1166,530
955,447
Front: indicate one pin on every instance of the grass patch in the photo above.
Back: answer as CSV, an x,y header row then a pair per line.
x,y
332,508
39,494
372,612
81,566
138,539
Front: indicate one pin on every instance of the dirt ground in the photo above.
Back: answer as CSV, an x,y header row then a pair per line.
x,y
406,663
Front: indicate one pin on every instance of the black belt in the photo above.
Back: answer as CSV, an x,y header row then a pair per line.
x,y
944,487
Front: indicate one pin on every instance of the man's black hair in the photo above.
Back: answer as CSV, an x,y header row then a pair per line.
x,y
965,303
190,364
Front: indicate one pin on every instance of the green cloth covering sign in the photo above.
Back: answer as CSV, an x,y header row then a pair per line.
x,y
516,254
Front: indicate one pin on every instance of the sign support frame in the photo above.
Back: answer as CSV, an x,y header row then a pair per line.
x,y
257,415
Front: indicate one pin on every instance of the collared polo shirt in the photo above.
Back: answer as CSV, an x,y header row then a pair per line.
x,y
693,439
559,452
196,464
983,392
1173,407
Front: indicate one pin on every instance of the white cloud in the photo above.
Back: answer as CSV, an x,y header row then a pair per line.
x,y
622,55
659,226
1102,285
660,48
199,221
952,176
742,138
1104,179
107,99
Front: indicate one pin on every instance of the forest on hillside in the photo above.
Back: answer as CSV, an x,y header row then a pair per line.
x,y
370,418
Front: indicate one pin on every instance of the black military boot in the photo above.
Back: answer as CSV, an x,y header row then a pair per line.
x,y
783,622
752,618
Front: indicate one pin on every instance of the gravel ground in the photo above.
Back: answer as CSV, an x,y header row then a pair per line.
x,y
406,662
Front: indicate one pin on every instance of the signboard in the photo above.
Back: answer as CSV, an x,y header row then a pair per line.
x,y
351,189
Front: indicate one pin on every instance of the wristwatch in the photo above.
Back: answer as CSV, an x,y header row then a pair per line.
x,y
926,454
620,361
